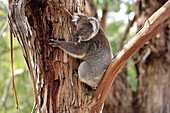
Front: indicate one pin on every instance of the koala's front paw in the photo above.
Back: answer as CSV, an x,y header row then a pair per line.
x,y
54,43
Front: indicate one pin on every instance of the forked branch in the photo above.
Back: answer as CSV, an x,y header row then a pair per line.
x,y
150,28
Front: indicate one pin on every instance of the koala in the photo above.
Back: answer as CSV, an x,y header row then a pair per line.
x,y
93,49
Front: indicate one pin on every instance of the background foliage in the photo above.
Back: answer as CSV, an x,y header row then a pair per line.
x,y
119,13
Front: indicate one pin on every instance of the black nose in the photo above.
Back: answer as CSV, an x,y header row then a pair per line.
x,y
76,33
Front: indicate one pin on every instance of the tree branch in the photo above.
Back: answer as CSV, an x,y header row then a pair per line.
x,y
150,28
92,8
119,44
104,16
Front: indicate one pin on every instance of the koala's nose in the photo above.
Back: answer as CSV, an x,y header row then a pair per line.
x,y
76,33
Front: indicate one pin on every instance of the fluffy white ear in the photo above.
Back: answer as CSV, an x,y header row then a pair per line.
x,y
95,24
76,17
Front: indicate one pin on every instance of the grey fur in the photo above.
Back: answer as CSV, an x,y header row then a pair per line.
x,y
95,52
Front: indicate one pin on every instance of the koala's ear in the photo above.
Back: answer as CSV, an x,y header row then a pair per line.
x,y
95,24
77,17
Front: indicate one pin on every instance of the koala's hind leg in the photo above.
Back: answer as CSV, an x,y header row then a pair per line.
x,y
86,74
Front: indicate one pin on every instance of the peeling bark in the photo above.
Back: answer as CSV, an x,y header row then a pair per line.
x,y
59,90
153,64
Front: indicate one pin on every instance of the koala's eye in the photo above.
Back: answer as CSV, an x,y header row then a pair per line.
x,y
82,31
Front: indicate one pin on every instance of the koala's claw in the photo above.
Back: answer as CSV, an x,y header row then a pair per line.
x,y
75,73
61,38
52,40
51,43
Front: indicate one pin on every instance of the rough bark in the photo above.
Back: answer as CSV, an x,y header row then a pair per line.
x,y
153,64
58,89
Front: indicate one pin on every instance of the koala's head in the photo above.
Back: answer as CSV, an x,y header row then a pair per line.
x,y
86,27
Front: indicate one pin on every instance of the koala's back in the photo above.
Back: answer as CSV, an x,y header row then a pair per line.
x,y
99,52
97,59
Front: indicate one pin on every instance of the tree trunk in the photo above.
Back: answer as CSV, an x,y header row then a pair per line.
x,y
59,91
119,99
153,65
